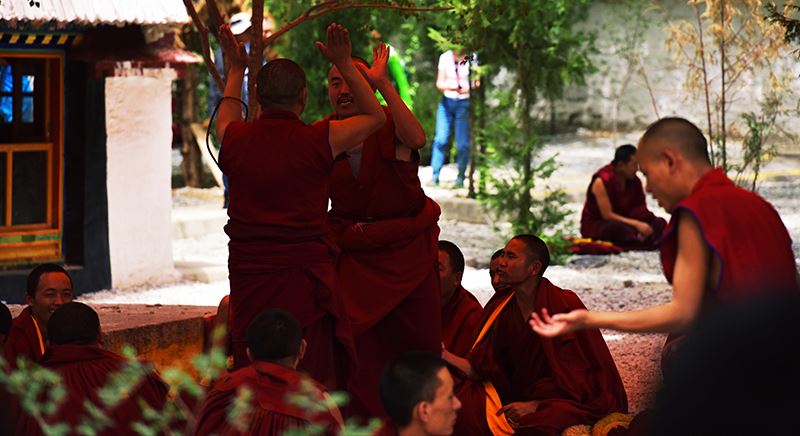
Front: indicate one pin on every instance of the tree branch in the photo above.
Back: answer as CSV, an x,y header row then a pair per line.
x,y
204,42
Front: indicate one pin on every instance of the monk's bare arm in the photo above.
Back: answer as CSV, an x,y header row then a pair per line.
x,y
689,281
407,128
607,212
350,132
230,110
462,364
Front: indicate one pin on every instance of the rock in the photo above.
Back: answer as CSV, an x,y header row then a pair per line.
x,y
628,283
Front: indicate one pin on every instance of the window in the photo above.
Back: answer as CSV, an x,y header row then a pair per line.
x,y
30,157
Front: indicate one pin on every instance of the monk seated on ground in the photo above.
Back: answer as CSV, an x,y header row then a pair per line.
x,y
49,286
85,368
615,208
416,391
520,383
494,264
460,309
275,347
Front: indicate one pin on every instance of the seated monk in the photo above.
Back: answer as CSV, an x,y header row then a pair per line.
x,y
615,208
275,347
85,368
520,383
49,286
494,264
460,309
416,391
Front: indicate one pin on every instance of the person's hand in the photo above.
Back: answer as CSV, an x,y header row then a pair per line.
x,y
380,57
644,230
515,411
233,49
558,324
338,48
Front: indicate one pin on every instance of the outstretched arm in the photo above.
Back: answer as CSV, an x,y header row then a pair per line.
x,y
607,212
348,133
689,280
407,128
230,110
462,364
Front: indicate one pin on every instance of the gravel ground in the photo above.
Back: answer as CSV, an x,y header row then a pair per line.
x,y
627,281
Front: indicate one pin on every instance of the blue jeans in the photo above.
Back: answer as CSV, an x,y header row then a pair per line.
x,y
451,111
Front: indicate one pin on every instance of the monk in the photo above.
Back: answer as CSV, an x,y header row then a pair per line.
x,y
280,254
416,390
461,311
723,244
494,265
48,287
386,228
275,347
615,208
521,383
85,367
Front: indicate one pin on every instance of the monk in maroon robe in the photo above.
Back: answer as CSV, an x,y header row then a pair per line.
x,y
85,368
48,287
278,169
461,311
521,383
723,244
386,228
275,345
615,208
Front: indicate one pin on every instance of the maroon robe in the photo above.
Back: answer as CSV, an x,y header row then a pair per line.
x,y
84,370
23,340
745,234
386,228
460,321
627,199
271,411
573,376
280,253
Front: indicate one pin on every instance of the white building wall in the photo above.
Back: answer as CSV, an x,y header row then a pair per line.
x,y
139,138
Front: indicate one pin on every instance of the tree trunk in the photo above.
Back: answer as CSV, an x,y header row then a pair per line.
x,y
723,127
527,161
191,165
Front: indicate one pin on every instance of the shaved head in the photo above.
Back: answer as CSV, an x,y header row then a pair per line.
x,y
676,133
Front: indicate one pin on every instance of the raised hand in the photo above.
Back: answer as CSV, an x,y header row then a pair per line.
x,y
558,324
380,57
233,49
338,48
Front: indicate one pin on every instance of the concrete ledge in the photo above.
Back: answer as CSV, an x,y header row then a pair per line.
x,y
205,272
195,221
164,335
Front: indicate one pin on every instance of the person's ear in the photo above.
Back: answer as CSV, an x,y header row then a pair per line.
x,y
29,299
671,159
536,268
459,276
421,412
249,355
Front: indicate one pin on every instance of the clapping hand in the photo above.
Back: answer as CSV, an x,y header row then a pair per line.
x,y
233,49
380,57
338,48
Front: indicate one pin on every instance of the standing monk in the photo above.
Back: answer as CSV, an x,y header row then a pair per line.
x,y
386,229
521,383
279,255
461,311
48,287
723,243
615,208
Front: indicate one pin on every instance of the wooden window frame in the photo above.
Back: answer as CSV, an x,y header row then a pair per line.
x,y
30,243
